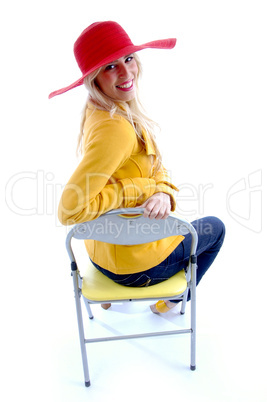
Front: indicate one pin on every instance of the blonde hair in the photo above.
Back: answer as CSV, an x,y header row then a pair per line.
x,y
132,110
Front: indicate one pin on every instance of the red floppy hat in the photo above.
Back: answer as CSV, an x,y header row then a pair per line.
x,y
104,42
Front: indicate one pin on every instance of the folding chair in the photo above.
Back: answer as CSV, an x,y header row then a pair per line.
x,y
96,288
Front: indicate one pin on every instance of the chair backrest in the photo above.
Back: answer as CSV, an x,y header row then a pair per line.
x,y
129,227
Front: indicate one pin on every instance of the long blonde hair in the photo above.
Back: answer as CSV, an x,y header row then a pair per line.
x,y
132,110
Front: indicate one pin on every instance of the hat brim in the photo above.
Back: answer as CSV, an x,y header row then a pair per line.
x,y
157,44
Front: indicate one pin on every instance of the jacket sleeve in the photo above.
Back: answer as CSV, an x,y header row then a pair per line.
x,y
164,185
90,192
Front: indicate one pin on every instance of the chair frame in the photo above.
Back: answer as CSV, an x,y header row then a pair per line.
x,y
175,226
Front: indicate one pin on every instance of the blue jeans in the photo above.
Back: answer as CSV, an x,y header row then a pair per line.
x,y
211,232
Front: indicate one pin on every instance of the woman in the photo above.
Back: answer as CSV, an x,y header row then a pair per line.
x,y
121,165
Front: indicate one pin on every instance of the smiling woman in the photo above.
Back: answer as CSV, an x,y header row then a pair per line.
x,y
121,165
118,79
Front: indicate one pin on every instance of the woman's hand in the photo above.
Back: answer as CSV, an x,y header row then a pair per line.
x,y
158,206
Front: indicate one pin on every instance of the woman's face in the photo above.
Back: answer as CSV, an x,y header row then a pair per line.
x,y
118,79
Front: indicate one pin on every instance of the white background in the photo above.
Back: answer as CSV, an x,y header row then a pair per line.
x,y
209,97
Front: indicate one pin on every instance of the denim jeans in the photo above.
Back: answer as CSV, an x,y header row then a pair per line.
x,y
211,232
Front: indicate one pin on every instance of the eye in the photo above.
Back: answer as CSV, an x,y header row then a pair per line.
x,y
110,67
128,59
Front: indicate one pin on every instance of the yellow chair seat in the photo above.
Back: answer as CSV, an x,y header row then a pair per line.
x,y
97,288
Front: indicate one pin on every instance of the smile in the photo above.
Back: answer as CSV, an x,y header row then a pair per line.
x,y
126,86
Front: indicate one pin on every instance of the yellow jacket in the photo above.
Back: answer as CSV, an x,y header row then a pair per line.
x,y
115,172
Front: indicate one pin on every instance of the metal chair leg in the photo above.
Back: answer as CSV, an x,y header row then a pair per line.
x,y
88,308
182,311
193,315
81,330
